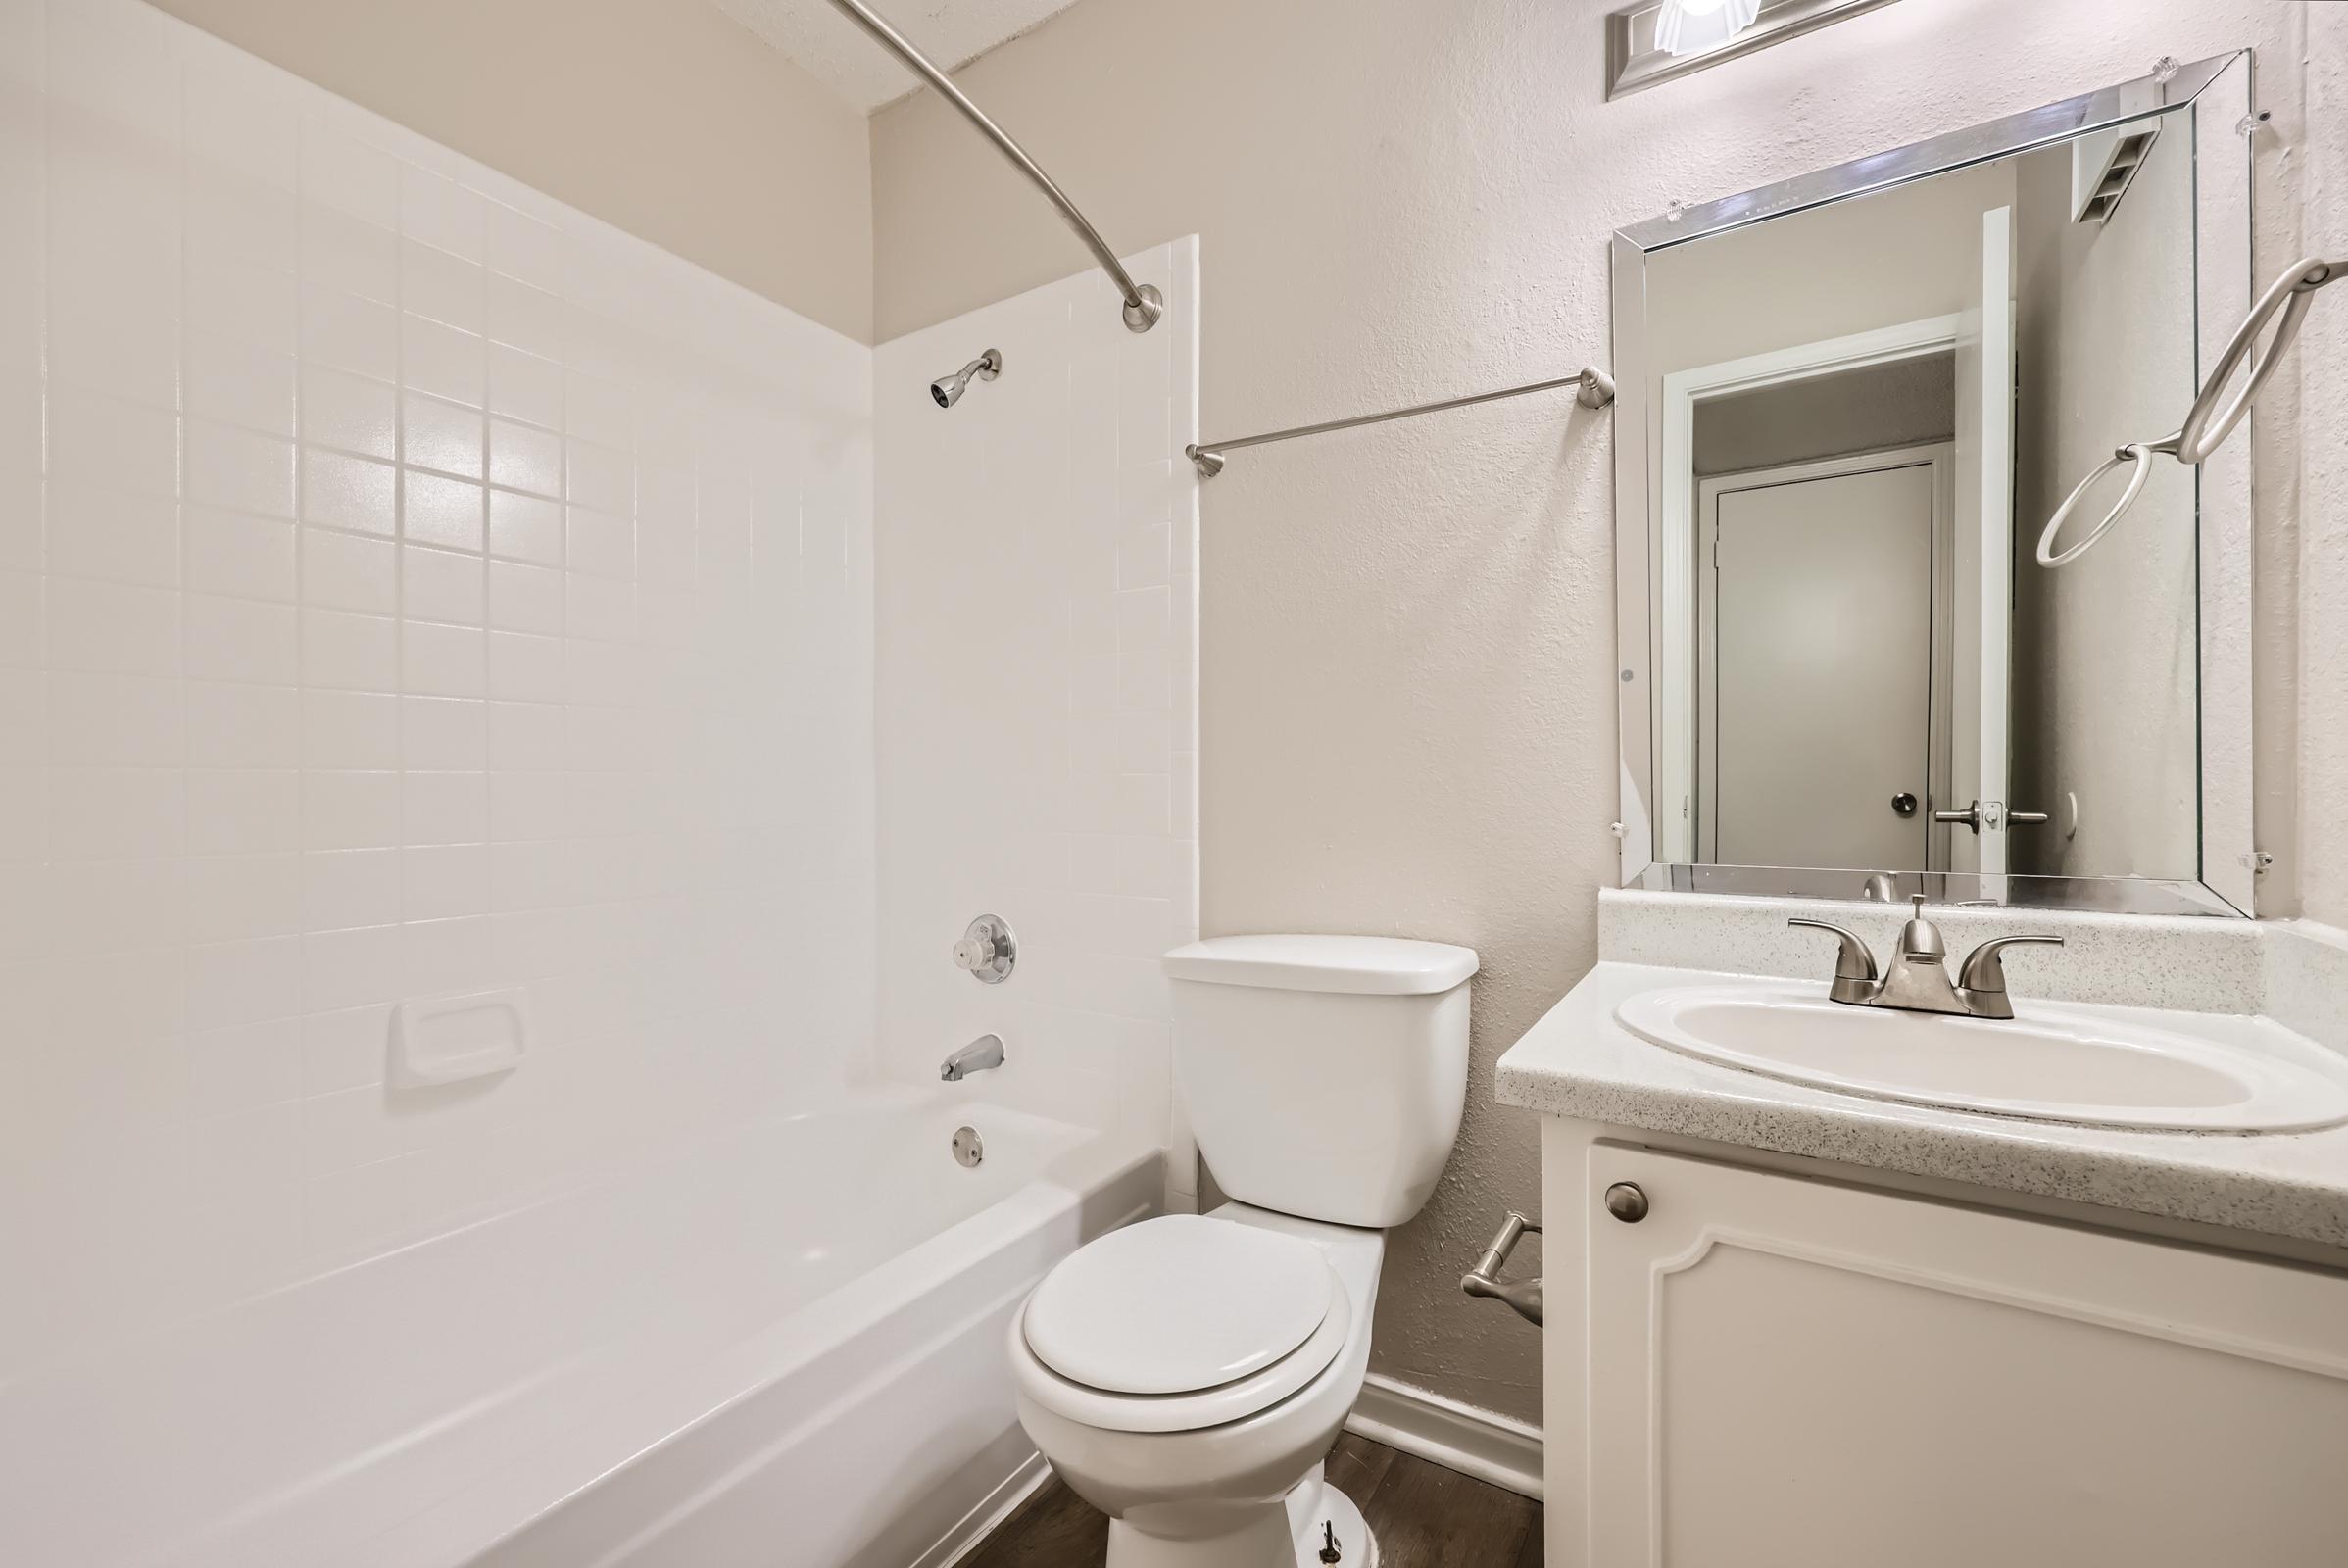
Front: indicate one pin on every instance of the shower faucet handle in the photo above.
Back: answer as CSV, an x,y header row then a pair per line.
x,y
988,949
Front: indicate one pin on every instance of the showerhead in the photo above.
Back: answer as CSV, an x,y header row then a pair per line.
x,y
950,390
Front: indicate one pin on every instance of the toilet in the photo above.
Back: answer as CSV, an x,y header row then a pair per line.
x,y
1188,1375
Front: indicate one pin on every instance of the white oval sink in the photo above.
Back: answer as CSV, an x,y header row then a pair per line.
x,y
2050,1063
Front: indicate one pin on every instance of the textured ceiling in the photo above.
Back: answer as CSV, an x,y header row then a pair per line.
x,y
838,53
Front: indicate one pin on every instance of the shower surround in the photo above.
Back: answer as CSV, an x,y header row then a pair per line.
x,y
410,586
1038,552
406,586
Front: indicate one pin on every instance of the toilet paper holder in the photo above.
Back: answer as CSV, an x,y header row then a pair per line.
x,y
1523,1296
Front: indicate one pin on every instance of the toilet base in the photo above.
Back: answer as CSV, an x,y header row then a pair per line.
x,y
1356,1548
1287,1536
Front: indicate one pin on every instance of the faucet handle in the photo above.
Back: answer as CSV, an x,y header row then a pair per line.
x,y
1856,962
1985,970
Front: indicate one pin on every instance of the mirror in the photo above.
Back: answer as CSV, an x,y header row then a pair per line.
x,y
1848,407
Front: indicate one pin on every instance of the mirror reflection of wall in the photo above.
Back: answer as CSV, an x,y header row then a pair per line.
x,y
1865,411
2105,665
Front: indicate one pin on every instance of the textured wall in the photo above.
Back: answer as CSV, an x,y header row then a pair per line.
x,y
659,115
1407,635
2323,544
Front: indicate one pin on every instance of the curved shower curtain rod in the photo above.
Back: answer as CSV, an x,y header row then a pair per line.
x,y
1144,305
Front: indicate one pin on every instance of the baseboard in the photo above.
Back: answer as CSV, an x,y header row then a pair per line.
x,y
979,1522
1459,1436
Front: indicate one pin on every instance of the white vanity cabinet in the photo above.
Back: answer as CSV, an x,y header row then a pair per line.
x,y
1767,1368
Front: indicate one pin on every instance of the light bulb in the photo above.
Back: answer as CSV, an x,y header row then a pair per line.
x,y
1691,26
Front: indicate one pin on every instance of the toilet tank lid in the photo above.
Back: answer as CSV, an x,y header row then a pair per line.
x,y
1375,966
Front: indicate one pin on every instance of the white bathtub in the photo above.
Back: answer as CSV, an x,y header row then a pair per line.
x,y
783,1349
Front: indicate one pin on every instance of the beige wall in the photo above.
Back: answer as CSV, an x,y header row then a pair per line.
x,y
1407,634
2106,659
662,117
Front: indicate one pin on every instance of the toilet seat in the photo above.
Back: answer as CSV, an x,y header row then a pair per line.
x,y
1179,1323
1177,1304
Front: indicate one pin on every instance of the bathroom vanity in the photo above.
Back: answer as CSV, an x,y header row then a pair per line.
x,y
1851,1265
1788,1324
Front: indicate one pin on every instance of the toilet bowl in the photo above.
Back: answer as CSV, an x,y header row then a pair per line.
x,y
1188,1375
1233,1347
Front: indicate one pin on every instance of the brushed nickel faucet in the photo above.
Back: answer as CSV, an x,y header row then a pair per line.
x,y
977,1056
1919,979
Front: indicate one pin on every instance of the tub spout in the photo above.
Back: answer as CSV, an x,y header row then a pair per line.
x,y
977,1056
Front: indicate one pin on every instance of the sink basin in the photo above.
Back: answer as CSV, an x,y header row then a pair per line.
x,y
2049,1063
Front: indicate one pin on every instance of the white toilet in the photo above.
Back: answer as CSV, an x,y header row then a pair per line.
x,y
1188,1375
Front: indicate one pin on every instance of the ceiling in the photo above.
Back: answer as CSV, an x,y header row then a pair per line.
x,y
838,53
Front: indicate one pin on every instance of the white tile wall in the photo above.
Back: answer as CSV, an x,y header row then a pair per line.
x,y
407,584
1038,588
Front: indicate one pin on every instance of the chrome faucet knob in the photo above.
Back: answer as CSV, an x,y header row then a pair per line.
x,y
988,951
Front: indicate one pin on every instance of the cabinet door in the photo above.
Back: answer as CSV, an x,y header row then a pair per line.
x,y
1789,1372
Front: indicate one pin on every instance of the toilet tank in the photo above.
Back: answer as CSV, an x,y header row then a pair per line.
x,y
1323,1075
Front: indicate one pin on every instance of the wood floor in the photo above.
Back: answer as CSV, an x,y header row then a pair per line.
x,y
1423,1515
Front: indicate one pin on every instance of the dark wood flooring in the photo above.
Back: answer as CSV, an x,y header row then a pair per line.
x,y
1423,1515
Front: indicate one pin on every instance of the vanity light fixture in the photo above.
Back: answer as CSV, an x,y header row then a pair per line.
x,y
1654,40
1692,26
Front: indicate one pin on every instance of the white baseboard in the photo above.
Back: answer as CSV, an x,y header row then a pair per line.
x,y
1459,1436
979,1522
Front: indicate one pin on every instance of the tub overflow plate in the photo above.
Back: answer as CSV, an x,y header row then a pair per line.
x,y
968,1148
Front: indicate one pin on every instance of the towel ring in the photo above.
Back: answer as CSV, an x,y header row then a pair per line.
x,y
2213,417
2207,424
2138,453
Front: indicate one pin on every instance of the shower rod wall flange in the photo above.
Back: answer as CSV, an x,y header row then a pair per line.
x,y
1144,305
1592,387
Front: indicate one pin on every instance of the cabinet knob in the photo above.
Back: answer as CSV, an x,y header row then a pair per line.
x,y
1627,1201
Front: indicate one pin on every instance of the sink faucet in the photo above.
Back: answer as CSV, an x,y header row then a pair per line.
x,y
977,1056
1919,980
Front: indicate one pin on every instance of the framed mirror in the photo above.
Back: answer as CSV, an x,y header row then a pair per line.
x,y
1848,406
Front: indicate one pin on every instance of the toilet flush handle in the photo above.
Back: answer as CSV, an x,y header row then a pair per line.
x,y
1523,1296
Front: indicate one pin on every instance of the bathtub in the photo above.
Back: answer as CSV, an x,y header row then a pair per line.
x,y
785,1349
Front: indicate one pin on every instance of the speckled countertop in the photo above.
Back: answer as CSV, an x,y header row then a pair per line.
x,y
1578,1061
